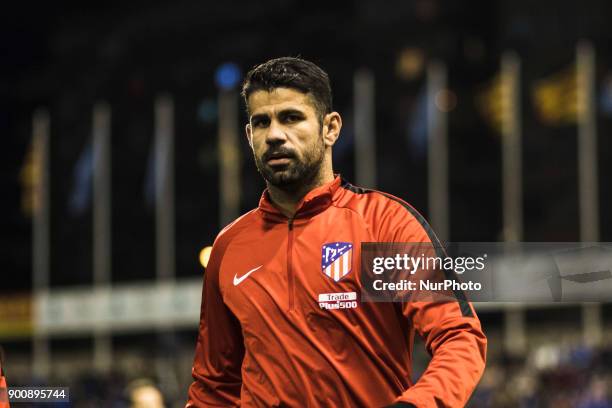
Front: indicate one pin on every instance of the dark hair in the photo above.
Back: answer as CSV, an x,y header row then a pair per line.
x,y
290,72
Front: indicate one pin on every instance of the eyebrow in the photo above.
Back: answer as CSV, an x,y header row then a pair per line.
x,y
291,111
284,112
259,116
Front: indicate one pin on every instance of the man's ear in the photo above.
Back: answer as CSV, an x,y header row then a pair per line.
x,y
249,134
332,123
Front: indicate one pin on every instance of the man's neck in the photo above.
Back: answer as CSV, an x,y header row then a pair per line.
x,y
287,201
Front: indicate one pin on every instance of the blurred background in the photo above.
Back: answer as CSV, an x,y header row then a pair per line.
x,y
125,156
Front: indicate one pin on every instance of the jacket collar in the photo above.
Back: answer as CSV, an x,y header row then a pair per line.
x,y
316,201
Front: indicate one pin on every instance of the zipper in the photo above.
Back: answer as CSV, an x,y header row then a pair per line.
x,y
290,282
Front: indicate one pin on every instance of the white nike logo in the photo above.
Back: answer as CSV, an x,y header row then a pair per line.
x,y
237,279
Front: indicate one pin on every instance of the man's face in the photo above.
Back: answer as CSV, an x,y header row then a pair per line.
x,y
286,137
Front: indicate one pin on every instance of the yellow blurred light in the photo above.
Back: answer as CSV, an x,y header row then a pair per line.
x,y
410,63
205,256
147,396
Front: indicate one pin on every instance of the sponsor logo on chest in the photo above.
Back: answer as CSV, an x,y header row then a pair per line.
x,y
343,300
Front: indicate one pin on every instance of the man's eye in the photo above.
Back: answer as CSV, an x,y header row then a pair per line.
x,y
260,122
292,118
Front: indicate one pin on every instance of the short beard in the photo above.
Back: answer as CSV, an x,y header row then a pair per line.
x,y
299,174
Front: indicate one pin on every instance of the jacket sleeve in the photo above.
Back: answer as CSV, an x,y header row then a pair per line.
x,y
4,403
458,348
451,331
219,350
4,400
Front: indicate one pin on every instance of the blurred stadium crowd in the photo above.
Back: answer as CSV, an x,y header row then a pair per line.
x,y
551,376
555,375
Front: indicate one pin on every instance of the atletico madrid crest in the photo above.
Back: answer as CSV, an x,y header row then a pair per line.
x,y
337,259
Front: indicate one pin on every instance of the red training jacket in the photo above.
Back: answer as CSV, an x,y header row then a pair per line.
x,y
265,339
4,402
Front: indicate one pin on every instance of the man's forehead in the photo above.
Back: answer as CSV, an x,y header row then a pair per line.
x,y
278,99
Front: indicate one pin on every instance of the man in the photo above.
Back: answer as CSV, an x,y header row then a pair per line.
x,y
265,340
142,393
4,400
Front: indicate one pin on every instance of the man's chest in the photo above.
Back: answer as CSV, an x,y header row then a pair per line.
x,y
310,266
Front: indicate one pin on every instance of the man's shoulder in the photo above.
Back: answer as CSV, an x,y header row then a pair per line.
x,y
387,214
224,238
234,227
371,202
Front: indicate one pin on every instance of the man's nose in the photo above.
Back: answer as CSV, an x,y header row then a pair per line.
x,y
276,133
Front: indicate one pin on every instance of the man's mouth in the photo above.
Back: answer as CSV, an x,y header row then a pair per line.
x,y
278,159
281,161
